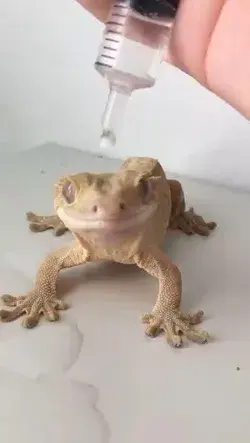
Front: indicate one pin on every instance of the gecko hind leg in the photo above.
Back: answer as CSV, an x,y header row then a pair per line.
x,y
185,220
191,223
39,223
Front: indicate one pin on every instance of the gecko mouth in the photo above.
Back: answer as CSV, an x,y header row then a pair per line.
x,y
77,221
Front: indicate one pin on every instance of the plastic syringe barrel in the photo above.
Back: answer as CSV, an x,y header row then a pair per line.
x,y
135,37
158,11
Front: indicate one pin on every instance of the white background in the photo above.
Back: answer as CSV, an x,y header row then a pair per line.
x,y
50,92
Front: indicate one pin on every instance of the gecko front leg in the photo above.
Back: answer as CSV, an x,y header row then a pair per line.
x,y
42,299
40,223
166,314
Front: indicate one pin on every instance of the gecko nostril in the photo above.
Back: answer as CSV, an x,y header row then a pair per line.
x,y
94,209
122,206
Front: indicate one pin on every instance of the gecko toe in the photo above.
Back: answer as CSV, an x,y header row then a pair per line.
x,y
30,321
59,230
4,314
30,216
7,316
174,340
153,329
146,318
201,337
211,225
193,319
60,305
177,341
50,314
38,227
9,300
191,333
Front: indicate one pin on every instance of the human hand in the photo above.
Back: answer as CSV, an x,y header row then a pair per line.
x,y
210,41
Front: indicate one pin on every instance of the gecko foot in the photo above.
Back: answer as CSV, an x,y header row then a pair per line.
x,y
39,223
191,223
33,307
175,325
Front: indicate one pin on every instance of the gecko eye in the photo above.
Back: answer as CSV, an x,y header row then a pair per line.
x,y
68,192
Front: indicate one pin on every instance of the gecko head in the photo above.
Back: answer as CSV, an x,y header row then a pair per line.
x,y
106,203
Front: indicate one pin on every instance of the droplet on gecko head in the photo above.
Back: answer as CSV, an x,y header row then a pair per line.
x,y
108,139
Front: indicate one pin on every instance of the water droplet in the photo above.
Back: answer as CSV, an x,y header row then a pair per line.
x,y
108,139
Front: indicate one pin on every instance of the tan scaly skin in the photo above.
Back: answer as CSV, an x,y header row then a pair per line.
x,y
124,217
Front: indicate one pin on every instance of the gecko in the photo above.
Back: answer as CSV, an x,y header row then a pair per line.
x,y
124,217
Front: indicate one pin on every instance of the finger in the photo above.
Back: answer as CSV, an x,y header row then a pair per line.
x,y
191,34
99,8
228,61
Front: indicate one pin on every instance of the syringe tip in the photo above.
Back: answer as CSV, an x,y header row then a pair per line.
x,y
108,139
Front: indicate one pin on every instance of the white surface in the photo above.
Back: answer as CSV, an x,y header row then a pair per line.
x,y
94,377
51,92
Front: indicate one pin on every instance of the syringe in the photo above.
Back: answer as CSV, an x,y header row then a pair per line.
x,y
135,38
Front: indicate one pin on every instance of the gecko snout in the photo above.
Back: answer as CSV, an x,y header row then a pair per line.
x,y
113,210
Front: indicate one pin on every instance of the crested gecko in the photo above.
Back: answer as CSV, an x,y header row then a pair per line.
x,y
123,217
